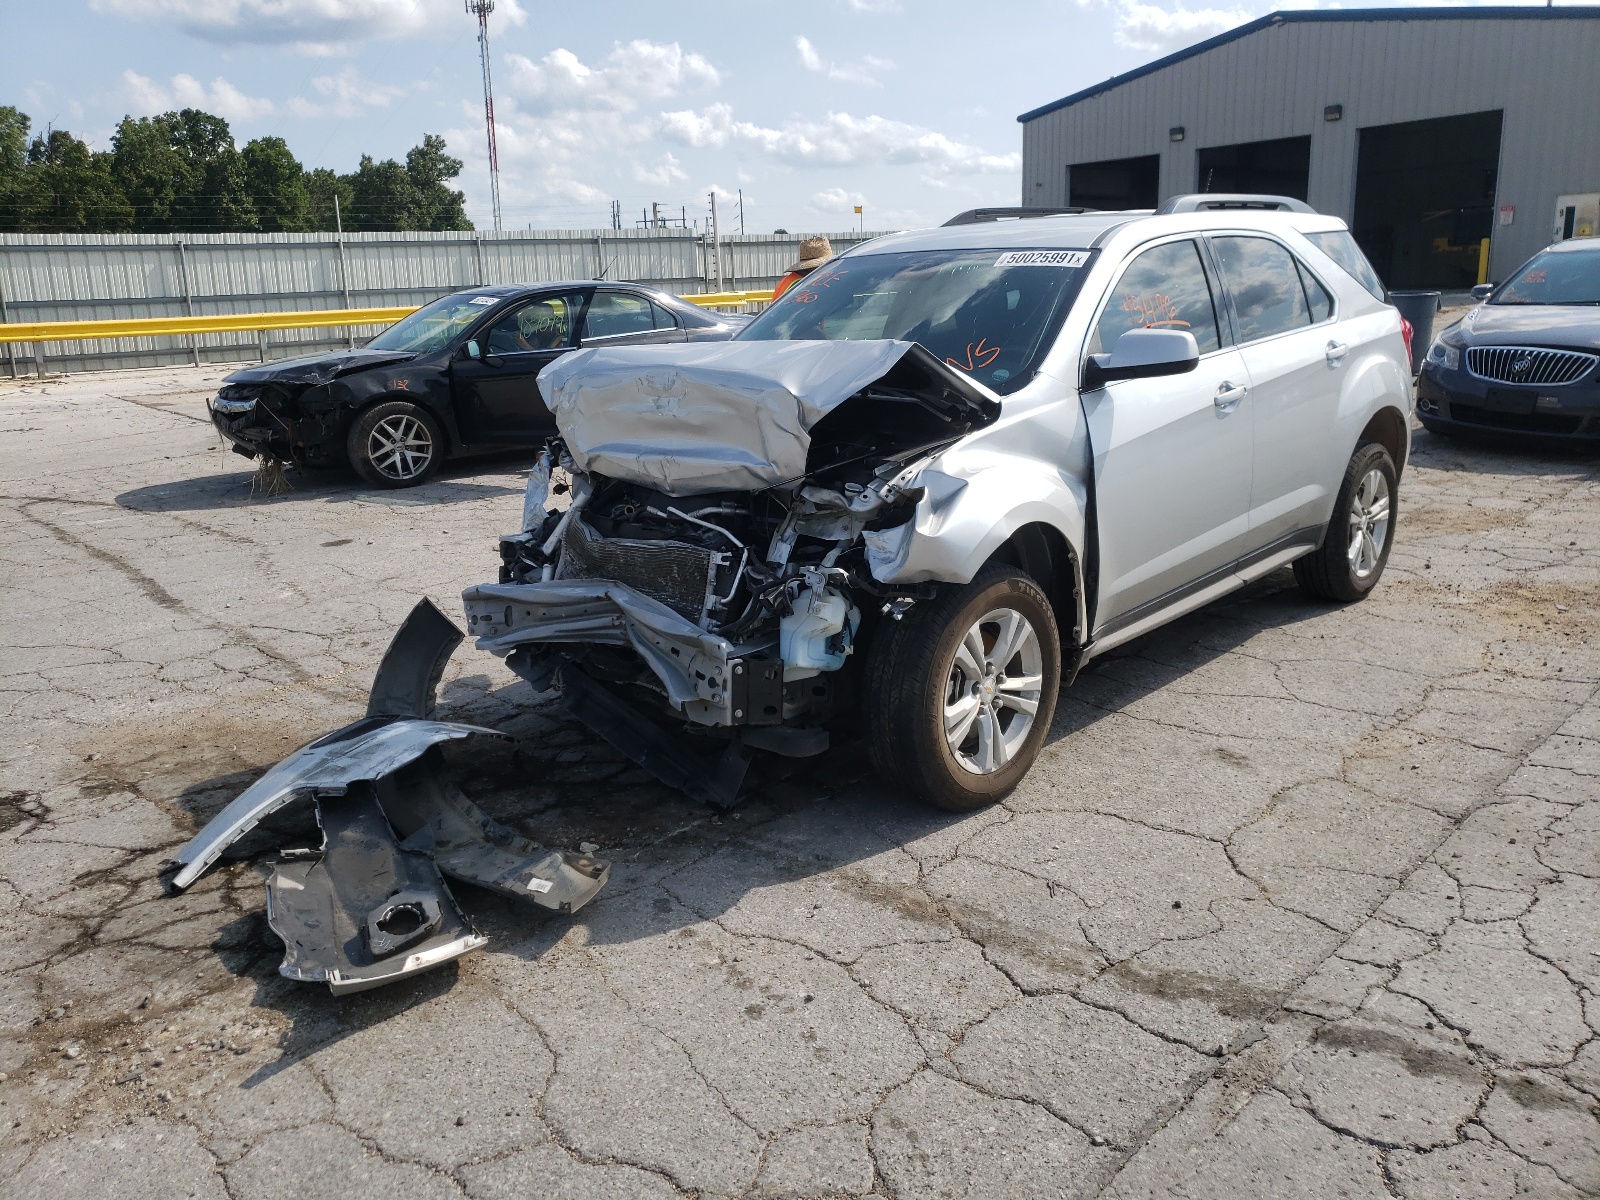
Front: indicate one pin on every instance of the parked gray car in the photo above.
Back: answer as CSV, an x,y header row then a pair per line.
x,y
1527,361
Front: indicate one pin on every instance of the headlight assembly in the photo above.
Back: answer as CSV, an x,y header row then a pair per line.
x,y
1441,355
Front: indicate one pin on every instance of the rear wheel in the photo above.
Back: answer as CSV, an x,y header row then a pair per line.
x,y
395,444
1355,546
961,692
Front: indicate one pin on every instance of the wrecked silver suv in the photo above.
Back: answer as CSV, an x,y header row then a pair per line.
x,y
909,501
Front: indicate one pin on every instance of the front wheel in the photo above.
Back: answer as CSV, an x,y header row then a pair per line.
x,y
961,692
1355,546
395,444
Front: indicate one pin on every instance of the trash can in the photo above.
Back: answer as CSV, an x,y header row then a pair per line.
x,y
1418,308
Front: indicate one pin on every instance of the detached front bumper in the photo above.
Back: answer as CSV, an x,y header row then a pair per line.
x,y
709,680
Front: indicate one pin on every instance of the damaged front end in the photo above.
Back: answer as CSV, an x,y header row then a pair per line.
x,y
298,411
369,905
732,513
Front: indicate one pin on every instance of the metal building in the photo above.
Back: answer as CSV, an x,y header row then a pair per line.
x,y
1428,130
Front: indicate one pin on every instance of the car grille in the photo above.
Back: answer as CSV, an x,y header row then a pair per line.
x,y
1528,364
1471,414
675,573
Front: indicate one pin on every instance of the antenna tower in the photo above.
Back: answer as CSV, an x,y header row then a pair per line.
x,y
481,9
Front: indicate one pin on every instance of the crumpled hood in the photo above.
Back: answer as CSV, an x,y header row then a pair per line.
x,y
722,416
1576,325
318,368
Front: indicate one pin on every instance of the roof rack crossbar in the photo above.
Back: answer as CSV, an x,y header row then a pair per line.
x,y
1215,201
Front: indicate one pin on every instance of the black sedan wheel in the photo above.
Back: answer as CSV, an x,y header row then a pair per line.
x,y
395,444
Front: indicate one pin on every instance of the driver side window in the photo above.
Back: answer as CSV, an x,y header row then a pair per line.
x,y
547,323
1163,288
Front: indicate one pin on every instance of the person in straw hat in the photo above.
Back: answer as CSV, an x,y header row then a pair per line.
x,y
814,251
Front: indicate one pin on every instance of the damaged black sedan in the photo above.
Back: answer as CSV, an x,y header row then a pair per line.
x,y
457,376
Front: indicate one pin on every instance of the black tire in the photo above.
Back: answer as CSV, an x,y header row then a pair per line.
x,y
395,444
1341,570
913,672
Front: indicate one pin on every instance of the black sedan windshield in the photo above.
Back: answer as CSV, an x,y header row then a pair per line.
x,y
988,313
432,326
1555,277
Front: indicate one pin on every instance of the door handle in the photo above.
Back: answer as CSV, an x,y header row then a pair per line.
x,y
1336,352
1229,394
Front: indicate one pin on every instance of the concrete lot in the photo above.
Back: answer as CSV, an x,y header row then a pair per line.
x,y
1300,901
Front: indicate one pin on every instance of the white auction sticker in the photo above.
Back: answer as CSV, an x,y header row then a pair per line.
x,y
1043,258
481,300
539,885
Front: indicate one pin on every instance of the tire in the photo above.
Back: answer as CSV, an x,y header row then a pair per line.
x,y
395,444
915,666
1355,546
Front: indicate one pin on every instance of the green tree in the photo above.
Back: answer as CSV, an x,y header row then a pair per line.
x,y
380,196
153,174
14,126
67,188
219,200
433,205
277,185
322,185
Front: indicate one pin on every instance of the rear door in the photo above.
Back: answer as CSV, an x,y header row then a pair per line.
x,y
1173,454
619,317
497,396
1289,335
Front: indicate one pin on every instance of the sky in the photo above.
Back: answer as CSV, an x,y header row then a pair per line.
x,y
806,108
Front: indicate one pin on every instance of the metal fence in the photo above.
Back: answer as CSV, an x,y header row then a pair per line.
x,y
82,277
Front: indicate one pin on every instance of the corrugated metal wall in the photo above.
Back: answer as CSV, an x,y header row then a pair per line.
x,y
84,277
1543,73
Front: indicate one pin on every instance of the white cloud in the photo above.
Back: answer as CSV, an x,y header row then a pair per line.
x,y
1148,27
873,6
666,172
345,94
837,140
319,25
632,73
147,97
837,200
864,70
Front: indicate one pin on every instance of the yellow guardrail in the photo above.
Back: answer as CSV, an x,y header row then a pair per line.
x,y
77,331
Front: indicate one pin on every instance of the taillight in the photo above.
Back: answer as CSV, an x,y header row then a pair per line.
x,y
1407,333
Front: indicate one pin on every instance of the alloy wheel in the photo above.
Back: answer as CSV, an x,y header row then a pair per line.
x,y
400,447
992,693
1369,523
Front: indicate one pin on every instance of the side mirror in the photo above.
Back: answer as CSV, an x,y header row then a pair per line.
x,y
474,351
1481,292
1143,354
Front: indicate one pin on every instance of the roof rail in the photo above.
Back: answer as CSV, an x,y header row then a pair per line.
x,y
977,216
1210,201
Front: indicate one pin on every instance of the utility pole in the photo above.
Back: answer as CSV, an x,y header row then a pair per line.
x,y
741,212
481,9
716,244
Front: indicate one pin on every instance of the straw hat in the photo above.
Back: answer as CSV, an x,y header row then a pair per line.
x,y
814,251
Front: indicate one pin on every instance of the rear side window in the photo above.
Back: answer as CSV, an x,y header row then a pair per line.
x,y
1341,247
1264,282
664,319
613,313
1163,288
1316,295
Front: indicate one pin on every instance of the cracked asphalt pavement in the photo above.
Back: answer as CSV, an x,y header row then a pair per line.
x,y
1300,901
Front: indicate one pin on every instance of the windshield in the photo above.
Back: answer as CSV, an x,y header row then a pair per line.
x,y
432,326
1554,277
988,313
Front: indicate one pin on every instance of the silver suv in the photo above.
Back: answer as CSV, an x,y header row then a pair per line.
x,y
943,472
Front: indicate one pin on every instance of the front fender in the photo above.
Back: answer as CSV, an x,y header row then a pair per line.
x,y
970,511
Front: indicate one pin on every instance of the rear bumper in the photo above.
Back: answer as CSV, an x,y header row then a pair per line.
x,y
1459,401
